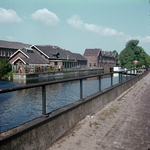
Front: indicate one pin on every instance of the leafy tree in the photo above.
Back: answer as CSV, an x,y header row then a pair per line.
x,y
133,52
114,51
4,67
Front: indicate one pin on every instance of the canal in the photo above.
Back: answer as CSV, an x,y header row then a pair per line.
x,y
19,107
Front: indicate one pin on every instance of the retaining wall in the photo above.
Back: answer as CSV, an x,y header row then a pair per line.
x,y
40,133
24,76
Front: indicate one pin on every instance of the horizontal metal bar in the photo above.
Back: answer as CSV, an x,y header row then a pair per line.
x,y
53,82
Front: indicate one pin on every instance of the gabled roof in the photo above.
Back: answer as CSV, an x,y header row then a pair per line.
x,y
49,51
33,57
92,52
18,58
13,45
107,54
79,56
18,52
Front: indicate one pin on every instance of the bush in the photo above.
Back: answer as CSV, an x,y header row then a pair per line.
x,y
5,67
49,71
9,74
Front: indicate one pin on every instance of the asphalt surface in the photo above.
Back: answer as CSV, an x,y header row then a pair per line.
x,y
124,124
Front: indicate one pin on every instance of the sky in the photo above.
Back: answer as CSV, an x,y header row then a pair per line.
x,y
76,25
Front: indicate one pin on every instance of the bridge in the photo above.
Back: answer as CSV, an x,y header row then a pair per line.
x,y
45,130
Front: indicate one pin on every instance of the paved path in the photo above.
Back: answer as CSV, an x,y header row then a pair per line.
x,y
124,124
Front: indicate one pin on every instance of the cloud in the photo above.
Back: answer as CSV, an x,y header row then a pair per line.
x,y
76,22
8,16
10,38
144,40
46,17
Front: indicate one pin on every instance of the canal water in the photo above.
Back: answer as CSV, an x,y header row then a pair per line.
x,y
19,107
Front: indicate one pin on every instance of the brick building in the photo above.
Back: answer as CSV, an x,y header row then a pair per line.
x,y
48,55
98,58
8,48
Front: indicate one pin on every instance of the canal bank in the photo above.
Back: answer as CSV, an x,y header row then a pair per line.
x,y
42,132
124,124
24,79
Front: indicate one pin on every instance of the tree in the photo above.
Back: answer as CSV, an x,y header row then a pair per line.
x,y
4,67
114,51
133,52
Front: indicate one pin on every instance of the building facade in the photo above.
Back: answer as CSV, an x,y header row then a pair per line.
x,y
47,55
8,48
98,58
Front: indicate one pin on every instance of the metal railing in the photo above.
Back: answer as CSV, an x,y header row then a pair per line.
x,y
131,72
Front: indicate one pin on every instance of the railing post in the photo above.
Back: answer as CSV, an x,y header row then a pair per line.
x,y
80,88
121,76
111,79
99,83
126,75
44,101
130,73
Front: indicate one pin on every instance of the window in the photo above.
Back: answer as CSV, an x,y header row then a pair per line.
x,y
29,51
94,64
56,63
3,53
0,52
7,53
10,53
90,65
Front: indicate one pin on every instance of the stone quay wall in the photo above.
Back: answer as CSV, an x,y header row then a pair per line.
x,y
24,76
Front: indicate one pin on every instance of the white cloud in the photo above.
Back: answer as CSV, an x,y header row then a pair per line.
x,y
10,38
8,16
144,40
46,17
76,22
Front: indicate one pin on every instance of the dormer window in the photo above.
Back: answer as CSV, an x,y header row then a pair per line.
x,y
28,50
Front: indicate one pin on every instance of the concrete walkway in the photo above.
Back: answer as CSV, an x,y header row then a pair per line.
x,y
124,124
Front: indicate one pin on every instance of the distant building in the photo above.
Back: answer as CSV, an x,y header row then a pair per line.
x,y
98,58
8,48
47,55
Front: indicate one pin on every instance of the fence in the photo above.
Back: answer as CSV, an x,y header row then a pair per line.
x,y
31,68
42,132
40,69
130,73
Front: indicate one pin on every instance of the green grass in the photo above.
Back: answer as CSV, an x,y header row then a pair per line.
x,y
63,70
109,111
70,69
90,124
50,71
